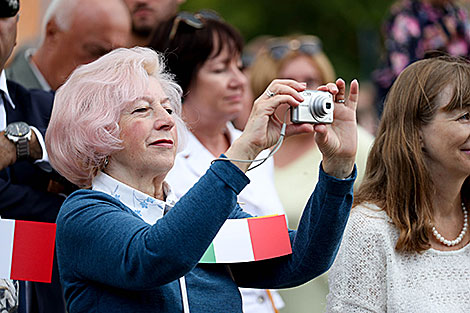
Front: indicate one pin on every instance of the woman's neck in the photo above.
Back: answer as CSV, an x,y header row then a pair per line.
x,y
293,148
217,142
448,186
447,201
150,185
212,133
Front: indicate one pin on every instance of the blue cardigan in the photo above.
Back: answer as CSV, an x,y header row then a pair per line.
x,y
110,260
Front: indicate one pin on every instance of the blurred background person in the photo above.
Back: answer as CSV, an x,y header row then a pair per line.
x,y
147,15
125,245
249,54
300,57
414,27
74,32
406,247
204,53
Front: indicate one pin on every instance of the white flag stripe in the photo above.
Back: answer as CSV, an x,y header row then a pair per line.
x,y
7,232
233,242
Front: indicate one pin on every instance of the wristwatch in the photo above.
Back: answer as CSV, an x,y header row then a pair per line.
x,y
20,134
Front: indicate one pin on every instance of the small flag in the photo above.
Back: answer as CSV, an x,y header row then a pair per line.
x,y
26,250
249,239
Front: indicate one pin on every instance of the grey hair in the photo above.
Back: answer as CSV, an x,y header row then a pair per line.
x,y
62,12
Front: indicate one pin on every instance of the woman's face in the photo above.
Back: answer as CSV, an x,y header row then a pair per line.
x,y
302,69
149,135
446,140
218,89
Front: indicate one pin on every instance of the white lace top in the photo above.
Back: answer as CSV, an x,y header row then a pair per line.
x,y
370,276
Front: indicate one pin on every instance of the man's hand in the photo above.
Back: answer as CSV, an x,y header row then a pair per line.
x,y
7,152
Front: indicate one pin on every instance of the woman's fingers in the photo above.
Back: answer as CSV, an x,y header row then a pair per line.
x,y
340,97
353,94
277,100
284,86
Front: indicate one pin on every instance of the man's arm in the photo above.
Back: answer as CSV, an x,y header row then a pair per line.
x,y
8,150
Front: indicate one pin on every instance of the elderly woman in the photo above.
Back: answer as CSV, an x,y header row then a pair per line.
x,y
406,244
124,245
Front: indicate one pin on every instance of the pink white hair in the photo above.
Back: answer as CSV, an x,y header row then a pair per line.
x,y
84,129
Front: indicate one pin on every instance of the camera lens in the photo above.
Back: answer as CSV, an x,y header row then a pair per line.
x,y
320,106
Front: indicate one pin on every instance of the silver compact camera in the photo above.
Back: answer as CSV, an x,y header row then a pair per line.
x,y
317,107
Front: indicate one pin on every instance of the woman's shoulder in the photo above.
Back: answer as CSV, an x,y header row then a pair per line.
x,y
86,198
369,218
85,195
369,231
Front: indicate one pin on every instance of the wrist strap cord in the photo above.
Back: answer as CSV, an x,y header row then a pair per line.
x,y
271,153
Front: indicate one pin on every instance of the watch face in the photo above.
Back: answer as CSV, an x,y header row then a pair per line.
x,y
18,129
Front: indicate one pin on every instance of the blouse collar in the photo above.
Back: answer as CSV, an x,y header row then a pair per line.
x,y
145,206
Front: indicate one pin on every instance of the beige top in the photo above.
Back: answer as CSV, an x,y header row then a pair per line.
x,y
296,181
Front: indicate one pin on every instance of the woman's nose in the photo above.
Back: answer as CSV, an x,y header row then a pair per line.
x,y
164,119
238,78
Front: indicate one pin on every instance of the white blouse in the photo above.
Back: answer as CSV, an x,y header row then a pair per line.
x,y
369,275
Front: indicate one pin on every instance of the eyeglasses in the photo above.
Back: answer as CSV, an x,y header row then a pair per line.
x,y
310,45
9,8
195,20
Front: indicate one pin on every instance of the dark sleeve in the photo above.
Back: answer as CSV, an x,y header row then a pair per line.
x,y
116,248
24,195
23,186
314,245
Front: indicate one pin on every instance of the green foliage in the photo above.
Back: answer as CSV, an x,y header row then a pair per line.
x,y
350,30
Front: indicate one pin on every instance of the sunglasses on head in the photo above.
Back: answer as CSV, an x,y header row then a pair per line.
x,y
309,45
9,8
195,20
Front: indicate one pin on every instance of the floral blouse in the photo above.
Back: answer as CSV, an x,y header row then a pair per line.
x,y
414,27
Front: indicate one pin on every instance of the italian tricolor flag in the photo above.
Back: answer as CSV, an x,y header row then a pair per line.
x,y
249,239
26,250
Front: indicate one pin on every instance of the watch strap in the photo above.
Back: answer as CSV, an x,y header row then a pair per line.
x,y
22,148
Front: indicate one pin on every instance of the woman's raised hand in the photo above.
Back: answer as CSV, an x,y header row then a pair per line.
x,y
338,141
263,128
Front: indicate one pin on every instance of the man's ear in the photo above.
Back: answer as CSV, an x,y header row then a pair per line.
x,y
52,31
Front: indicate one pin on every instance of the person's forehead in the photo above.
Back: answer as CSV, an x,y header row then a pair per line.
x,y
111,31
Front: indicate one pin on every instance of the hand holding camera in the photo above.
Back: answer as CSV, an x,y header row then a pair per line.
x,y
312,111
338,141
263,128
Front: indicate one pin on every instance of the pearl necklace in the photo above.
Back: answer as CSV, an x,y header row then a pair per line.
x,y
456,241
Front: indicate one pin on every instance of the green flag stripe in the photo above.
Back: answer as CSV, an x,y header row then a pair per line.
x,y
209,255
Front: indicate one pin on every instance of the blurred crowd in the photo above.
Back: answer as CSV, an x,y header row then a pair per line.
x,y
405,246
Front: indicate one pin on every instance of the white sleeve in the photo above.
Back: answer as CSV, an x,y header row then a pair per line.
x,y
357,279
43,163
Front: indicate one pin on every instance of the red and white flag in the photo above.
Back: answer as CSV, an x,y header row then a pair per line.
x,y
26,250
249,239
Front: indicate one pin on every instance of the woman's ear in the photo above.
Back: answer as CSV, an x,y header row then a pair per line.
x,y
421,140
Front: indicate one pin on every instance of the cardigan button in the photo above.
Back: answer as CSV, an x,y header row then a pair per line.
x,y
260,299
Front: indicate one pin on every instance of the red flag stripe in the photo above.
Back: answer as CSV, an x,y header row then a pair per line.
x,y
33,251
269,237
